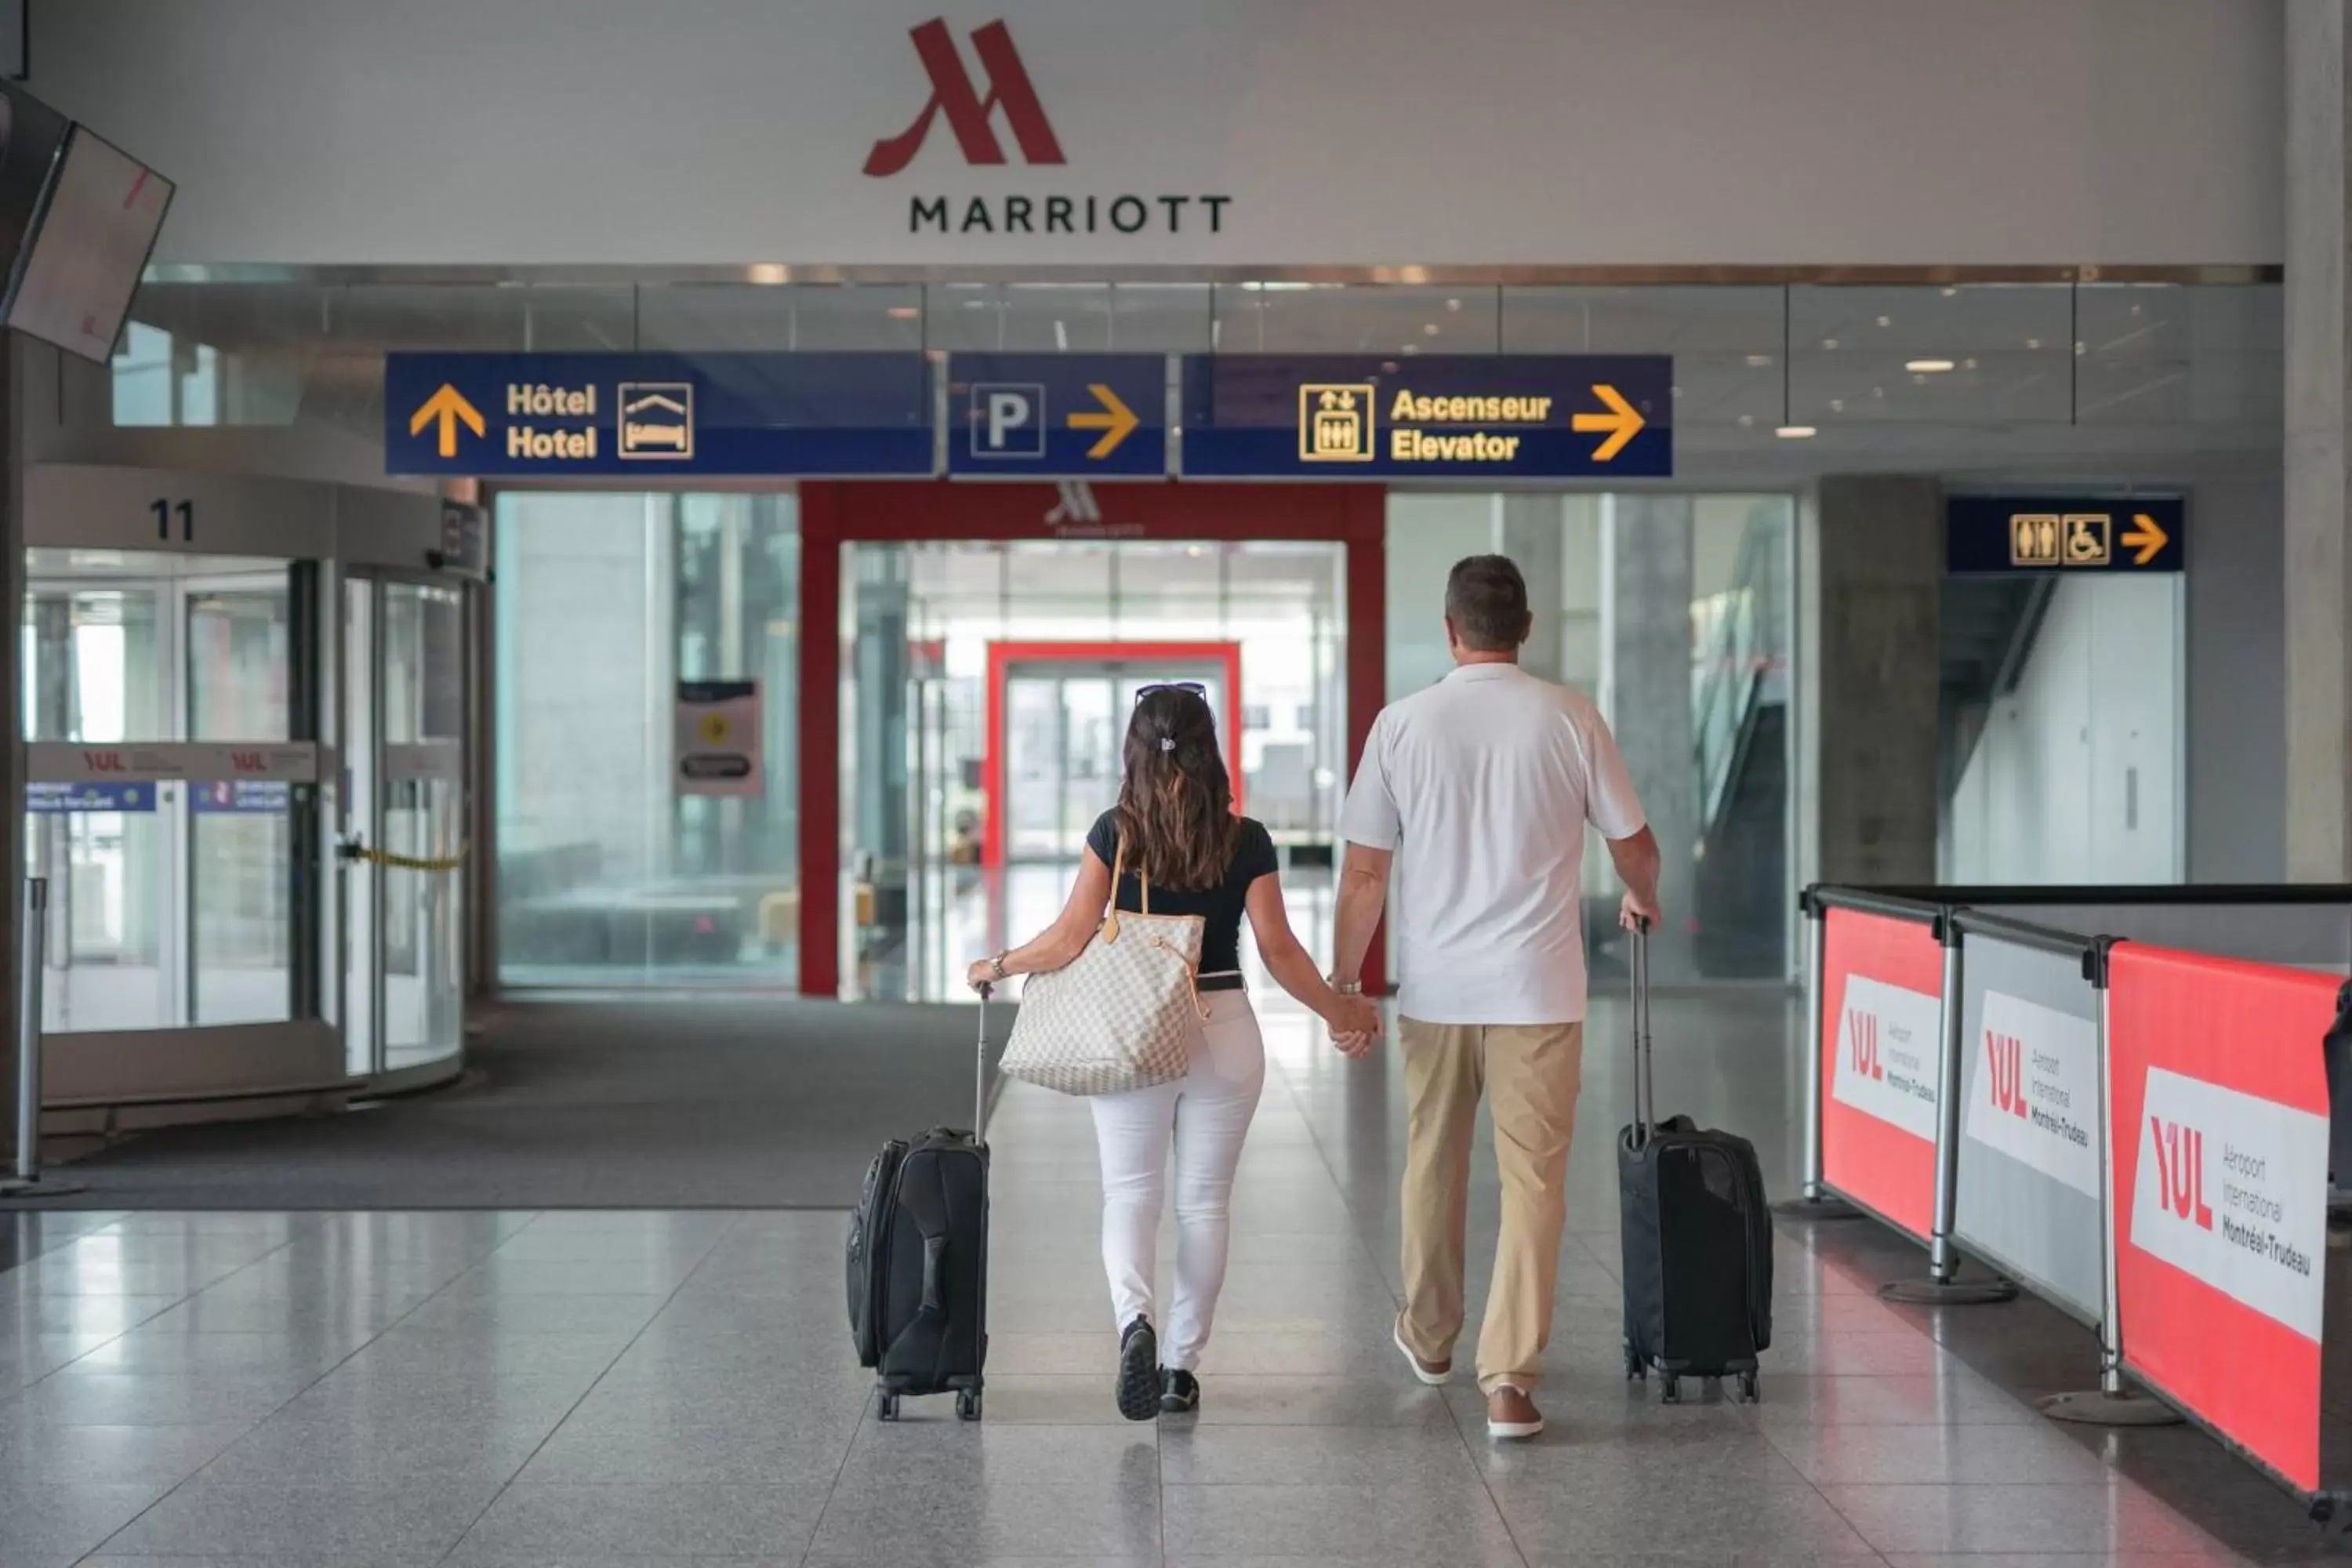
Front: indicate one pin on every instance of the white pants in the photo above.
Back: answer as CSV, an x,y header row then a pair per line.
x,y
1205,1114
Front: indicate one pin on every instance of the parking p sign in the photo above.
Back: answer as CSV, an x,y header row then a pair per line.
x,y
1036,416
1008,421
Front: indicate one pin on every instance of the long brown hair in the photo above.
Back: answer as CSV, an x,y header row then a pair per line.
x,y
1176,800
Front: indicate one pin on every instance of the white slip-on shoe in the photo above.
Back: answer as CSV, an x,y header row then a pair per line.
x,y
1511,1415
1433,1373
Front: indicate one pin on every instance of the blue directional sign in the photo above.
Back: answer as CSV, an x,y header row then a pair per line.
x,y
1057,415
648,416
241,797
1429,416
76,799
2025,534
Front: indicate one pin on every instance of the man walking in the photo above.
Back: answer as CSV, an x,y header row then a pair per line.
x,y
1476,790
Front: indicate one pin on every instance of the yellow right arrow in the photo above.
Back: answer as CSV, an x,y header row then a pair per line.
x,y
450,407
2146,537
1116,421
1621,424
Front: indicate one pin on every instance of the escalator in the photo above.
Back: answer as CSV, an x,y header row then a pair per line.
x,y
1740,727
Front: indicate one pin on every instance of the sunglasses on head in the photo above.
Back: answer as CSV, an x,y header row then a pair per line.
x,y
1194,687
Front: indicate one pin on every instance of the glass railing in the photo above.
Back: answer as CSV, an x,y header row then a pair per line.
x,y
1735,652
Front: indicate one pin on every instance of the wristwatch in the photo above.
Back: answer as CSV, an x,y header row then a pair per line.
x,y
996,967
1348,987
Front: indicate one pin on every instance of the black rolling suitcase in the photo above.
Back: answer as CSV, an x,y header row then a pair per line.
x,y
918,1262
1698,1236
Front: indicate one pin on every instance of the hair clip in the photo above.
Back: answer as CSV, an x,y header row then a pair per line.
x,y
1167,744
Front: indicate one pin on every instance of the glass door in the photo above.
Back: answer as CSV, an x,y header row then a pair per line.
x,y
151,682
403,884
239,832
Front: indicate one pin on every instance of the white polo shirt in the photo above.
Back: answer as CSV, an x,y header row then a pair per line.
x,y
1482,785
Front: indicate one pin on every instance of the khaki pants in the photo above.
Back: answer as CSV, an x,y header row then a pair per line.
x,y
1529,1075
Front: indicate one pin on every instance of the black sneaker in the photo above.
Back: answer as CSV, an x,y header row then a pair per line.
x,y
1139,1372
1179,1392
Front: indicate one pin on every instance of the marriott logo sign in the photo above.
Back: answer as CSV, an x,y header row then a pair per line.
x,y
971,114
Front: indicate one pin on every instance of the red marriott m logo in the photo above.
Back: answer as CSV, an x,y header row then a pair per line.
x,y
967,111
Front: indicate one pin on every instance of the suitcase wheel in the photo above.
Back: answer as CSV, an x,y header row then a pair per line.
x,y
1670,1389
1636,1372
886,1405
968,1405
1750,1393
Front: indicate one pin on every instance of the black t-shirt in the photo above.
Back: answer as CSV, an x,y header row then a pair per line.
x,y
1221,906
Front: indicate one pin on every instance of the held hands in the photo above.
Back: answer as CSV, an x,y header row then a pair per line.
x,y
1355,1026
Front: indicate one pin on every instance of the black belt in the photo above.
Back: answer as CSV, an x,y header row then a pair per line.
x,y
1232,982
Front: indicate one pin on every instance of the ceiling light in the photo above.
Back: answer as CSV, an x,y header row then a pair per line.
x,y
1837,404
1453,304
1951,292
1409,349
1746,419
1796,432
769,273
1757,362
2033,343
903,313
1429,329
1829,342
1886,320
1967,364
1926,367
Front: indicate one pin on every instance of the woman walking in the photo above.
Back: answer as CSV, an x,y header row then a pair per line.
x,y
1175,824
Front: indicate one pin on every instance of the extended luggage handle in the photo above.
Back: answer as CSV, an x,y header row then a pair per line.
x,y
1645,1099
980,1069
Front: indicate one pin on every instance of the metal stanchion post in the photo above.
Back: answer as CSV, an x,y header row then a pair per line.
x,y
1942,1288
33,921
2113,1403
1813,1201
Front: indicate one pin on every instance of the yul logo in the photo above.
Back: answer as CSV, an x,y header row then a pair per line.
x,y
967,111
1861,1042
104,763
2180,1170
2005,1064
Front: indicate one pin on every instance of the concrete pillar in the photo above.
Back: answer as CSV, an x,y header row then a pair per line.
x,y
2318,588
1646,642
12,714
1876,661
1530,536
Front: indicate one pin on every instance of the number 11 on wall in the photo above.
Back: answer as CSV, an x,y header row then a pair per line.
x,y
163,510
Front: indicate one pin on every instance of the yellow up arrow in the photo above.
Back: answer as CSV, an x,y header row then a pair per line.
x,y
1114,419
1621,424
450,407
2146,537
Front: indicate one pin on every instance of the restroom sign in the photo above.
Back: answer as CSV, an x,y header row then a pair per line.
x,y
2027,536
1054,416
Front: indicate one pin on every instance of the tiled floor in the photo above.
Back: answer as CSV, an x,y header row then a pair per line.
x,y
593,1389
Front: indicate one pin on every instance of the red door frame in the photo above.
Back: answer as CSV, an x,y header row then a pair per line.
x,y
838,511
1003,656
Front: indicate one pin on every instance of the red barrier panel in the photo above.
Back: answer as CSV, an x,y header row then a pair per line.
x,y
2219,1140
1882,989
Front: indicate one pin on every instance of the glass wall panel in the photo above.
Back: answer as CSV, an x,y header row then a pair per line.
x,y
1979,355
1849,359
607,873
2064,752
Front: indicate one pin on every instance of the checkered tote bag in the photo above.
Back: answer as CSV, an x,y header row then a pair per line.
x,y
1122,1014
